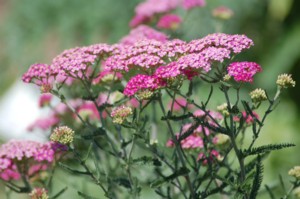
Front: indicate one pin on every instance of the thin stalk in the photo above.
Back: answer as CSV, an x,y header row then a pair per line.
x,y
178,148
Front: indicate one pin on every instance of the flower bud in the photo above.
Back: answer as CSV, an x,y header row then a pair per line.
x,y
258,95
222,13
144,95
295,172
39,193
223,108
63,135
285,81
46,88
120,114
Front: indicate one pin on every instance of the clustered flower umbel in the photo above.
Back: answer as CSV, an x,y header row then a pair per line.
x,y
120,113
17,152
157,62
258,95
285,81
147,10
63,135
39,193
295,172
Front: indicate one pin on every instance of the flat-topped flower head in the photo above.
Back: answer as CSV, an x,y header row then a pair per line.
x,y
18,150
258,95
63,135
39,193
73,62
147,9
143,32
189,4
140,83
285,81
169,21
243,71
120,113
41,75
234,43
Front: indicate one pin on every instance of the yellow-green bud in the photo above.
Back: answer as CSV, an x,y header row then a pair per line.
x,y
144,95
285,81
226,77
63,135
221,139
258,95
223,108
295,172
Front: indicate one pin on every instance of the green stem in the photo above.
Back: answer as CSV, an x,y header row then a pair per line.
x,y
178,148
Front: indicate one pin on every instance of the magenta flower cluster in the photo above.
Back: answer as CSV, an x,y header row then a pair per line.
x,y
243,71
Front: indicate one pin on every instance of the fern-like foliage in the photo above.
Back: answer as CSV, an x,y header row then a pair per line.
x,y
257,178
266,149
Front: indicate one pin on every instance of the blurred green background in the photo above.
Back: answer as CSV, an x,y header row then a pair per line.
x,y
35,31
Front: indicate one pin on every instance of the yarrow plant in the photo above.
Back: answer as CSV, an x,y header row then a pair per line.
x,y
133,116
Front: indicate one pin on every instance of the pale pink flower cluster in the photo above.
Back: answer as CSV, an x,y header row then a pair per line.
x,y
16,153
243,71
169,21
189,4
247,117
39,74
147,10
45,99
143,32
160,60
72,63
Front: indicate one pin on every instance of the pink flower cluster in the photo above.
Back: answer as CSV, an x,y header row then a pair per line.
x,y
16,153
159,59
143,32
169,21
140,83
147,10
243,71
72,63
195,141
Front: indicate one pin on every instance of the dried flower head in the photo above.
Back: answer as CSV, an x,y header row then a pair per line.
x,y
63,135
295,172
120,113
258,95
285,81
39,193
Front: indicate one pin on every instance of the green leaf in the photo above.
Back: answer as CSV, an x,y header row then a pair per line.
x,y
59,193
85,196
147,160
123,182
181,172
74,171
257,178
267,148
